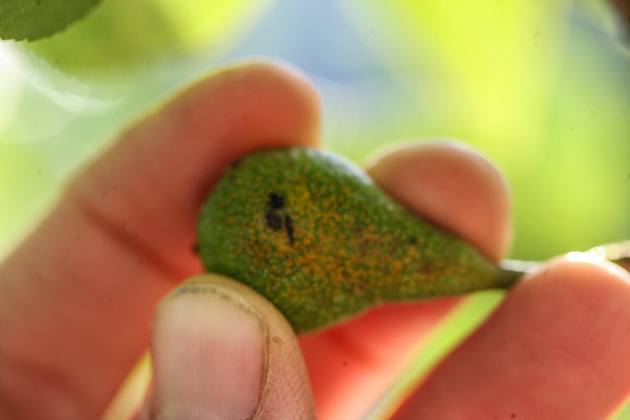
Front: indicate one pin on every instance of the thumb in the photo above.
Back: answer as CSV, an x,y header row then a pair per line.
x,y
221,351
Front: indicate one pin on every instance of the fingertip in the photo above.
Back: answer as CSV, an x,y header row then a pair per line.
x,y
285,73
452,185
209,351
564,328
270,96
220,350
575,277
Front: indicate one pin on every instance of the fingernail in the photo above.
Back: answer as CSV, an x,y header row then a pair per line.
x,y
208,355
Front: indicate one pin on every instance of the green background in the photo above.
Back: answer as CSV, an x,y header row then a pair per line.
x,y
541,88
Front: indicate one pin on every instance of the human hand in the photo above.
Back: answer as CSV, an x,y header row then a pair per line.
x,y
77,298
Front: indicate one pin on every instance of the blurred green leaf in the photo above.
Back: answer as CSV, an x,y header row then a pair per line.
x,y
123,34
34,19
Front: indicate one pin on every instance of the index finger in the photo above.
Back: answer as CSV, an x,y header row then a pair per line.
x,y
76,299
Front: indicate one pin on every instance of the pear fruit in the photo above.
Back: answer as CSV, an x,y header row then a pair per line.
x,y
312,233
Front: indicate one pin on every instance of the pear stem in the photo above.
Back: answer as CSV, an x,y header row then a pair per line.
x,y
511,271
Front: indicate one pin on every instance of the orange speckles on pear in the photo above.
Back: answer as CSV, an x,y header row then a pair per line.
x,y
314,235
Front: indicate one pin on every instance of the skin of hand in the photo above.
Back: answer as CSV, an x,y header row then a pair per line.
x,y
100,280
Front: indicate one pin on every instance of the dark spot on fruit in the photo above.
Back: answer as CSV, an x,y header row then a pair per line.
x,y
345,363
276,201
277,217
274,221
288,226
195,248
513,415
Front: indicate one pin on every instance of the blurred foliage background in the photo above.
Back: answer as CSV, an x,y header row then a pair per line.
x,y
541,88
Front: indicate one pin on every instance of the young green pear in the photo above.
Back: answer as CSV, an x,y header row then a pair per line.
x,y
312,233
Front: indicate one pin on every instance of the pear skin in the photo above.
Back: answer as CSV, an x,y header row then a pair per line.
x,y
312,233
